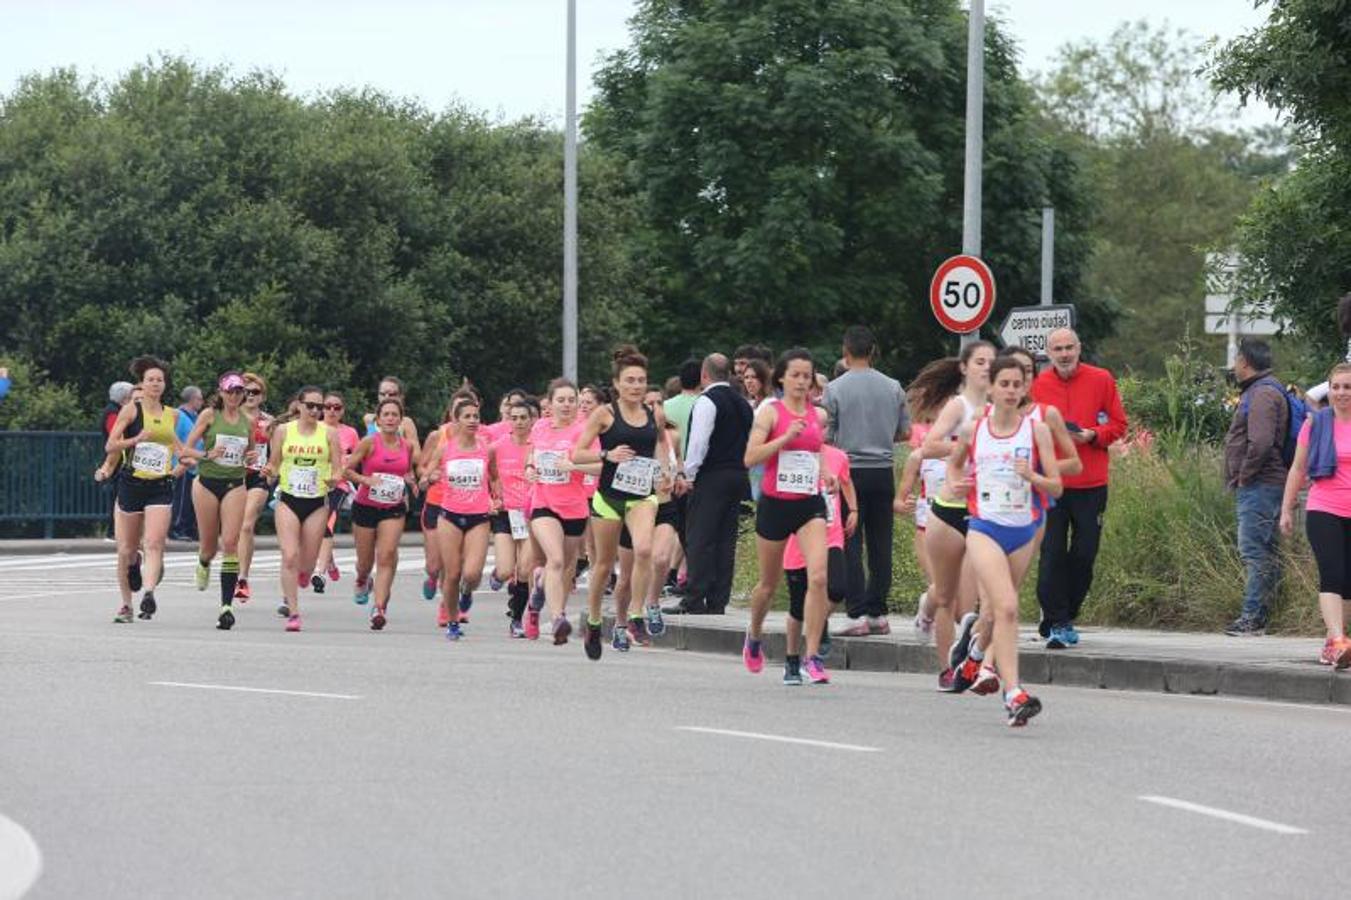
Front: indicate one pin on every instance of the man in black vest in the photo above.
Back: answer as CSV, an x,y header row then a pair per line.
x,y
715,462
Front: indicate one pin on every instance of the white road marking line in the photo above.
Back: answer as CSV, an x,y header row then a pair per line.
x,y
20,860
249,690
829,745
1240,818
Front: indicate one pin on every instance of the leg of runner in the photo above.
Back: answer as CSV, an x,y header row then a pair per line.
x,y
770,555
640,520
620,638
387,536
253,508
363,541
207,510
288,542
548,532
998,575
604,549
797,596
311,536
127,527
431,551
231,522
665,548
474,553
947,549
812,538
156,533
504,560
451,540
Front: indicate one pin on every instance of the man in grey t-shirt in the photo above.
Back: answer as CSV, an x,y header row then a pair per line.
x,y
868,417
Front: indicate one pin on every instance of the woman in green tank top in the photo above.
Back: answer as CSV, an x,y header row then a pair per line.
x,y
218,494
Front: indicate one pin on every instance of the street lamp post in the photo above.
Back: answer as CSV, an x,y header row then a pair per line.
x,y
570,204
975,136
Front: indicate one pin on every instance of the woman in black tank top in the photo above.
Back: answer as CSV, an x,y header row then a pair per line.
x,y
632,439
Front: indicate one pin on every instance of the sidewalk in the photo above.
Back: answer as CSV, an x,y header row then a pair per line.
x,y
1268,668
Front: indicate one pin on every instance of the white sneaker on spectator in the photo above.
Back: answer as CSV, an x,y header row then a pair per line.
x,y
854,628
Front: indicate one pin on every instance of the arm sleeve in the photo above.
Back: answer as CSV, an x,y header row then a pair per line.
x,y
1264,420
701,428
1115,429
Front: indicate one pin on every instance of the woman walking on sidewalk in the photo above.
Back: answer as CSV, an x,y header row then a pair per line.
x,y
787,436
1323,454
218,492
144,433
1012,462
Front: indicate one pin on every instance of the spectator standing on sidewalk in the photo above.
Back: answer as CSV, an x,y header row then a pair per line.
x,y
868,417
1255,470
1087,397
720,425
678,408
4,382
183,520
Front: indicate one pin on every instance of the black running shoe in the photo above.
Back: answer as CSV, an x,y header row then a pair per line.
x,y
592,643
317,582
134,580
148,606
962,645
226,620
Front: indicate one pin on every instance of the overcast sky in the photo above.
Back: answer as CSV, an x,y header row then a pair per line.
x,y
502,56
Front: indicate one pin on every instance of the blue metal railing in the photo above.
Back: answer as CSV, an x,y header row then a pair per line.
x,y
48,477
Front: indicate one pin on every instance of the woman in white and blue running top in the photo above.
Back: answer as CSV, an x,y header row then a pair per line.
x,y
1002,462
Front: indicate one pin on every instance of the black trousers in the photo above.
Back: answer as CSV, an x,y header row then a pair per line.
x,y
183,519
710,536
876,489
1065,572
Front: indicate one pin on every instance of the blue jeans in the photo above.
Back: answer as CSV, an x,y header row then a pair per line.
x,y
1259,510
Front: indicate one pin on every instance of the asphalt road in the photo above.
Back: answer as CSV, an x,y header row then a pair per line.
x,y
133,765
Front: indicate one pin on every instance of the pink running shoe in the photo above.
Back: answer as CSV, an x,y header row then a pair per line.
x,y
333,573
442,616
987,682
532,624
293,623
815,670
303,580
753,655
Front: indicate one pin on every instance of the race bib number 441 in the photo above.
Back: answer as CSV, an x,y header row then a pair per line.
x,y
232,449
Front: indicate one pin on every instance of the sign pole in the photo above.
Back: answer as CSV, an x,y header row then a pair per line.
x,y
570,204
975,137
1047,255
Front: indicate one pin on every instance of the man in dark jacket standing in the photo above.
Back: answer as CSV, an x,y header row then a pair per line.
x,y
1255,471
715,462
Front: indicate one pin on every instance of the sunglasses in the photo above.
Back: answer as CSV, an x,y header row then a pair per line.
x,y
332,406
254,392
312,407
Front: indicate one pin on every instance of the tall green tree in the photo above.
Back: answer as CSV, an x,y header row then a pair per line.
x,y
1173,171
799,167
221,222
1294,237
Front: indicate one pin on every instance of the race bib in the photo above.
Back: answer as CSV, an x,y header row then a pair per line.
x,y
519,531
548,467
303,482
388,488
261,452
150,459
635,476
830,507
465,474
799,472
233,449
1004,492
933,477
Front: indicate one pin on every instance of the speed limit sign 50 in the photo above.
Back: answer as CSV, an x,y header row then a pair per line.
x,y
962,294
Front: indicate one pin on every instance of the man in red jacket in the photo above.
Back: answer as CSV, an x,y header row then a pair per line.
x,y
1087,397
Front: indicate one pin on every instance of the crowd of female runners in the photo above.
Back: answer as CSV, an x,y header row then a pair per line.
x,y
595,475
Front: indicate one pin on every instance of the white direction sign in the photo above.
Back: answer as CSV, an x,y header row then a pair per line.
x,y
1029,326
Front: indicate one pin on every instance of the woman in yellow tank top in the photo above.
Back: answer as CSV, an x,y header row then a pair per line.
x,y
144,435
306,460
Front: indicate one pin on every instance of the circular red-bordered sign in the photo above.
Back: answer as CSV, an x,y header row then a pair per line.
x,y
962,294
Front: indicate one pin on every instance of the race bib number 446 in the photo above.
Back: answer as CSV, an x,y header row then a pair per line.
x,y
303,482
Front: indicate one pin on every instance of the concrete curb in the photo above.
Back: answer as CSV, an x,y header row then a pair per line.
x,y
1293,683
